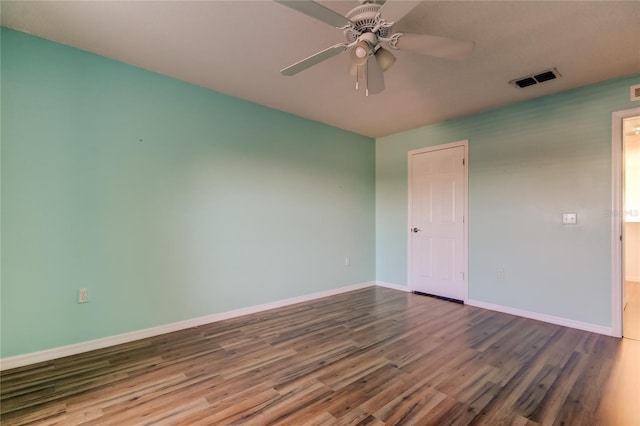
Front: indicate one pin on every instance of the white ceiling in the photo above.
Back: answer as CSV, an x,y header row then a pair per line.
x,y
238,48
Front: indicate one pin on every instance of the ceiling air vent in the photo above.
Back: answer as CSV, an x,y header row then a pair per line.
x,y
532,79
635,92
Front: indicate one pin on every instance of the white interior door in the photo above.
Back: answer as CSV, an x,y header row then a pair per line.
x,y
437,208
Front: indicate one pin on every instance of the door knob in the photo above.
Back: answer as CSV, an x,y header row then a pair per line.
x,y
415,230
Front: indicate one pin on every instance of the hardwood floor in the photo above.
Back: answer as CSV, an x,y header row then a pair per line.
x,y
374,356
631,311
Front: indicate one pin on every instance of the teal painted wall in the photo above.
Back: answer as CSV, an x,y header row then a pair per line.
x,y
528,163
166,200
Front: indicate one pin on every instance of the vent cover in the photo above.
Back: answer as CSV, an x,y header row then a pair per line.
x,y
635,92
533,79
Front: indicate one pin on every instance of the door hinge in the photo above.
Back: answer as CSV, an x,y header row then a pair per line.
x,y
463,161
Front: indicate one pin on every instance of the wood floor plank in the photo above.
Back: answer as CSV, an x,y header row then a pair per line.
x,y
370,357
619,404
412,404
358,417
287,405
46,414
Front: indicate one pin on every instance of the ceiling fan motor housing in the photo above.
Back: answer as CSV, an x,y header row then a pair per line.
x,y
364,20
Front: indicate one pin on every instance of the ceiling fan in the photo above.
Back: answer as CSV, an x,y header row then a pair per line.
x,y
365,29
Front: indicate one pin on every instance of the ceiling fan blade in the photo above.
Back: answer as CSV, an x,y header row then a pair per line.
x,y
375,78
317,11
441,47
395,10
313,59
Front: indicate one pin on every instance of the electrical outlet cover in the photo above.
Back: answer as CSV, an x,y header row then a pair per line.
x,y
569,218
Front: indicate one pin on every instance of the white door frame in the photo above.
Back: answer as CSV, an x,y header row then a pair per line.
x,y
465,209
616,216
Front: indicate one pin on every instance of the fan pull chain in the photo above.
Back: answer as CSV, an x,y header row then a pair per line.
x,y
366,76
362,69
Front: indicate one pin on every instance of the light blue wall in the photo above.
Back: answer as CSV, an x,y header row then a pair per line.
x,y
528,163
166,200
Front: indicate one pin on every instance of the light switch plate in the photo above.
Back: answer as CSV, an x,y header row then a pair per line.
x,y
569,218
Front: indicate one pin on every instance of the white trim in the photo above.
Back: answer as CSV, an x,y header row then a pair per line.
x,y
49,354
594,328
465,209
615,213
393,286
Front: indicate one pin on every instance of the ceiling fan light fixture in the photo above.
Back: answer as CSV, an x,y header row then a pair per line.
x,y
385,58
360,53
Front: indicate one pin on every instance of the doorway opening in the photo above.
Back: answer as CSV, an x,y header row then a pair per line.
x,y
631,227
626,223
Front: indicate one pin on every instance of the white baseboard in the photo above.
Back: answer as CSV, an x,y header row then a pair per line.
x,y
393,286
76,348
608,331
